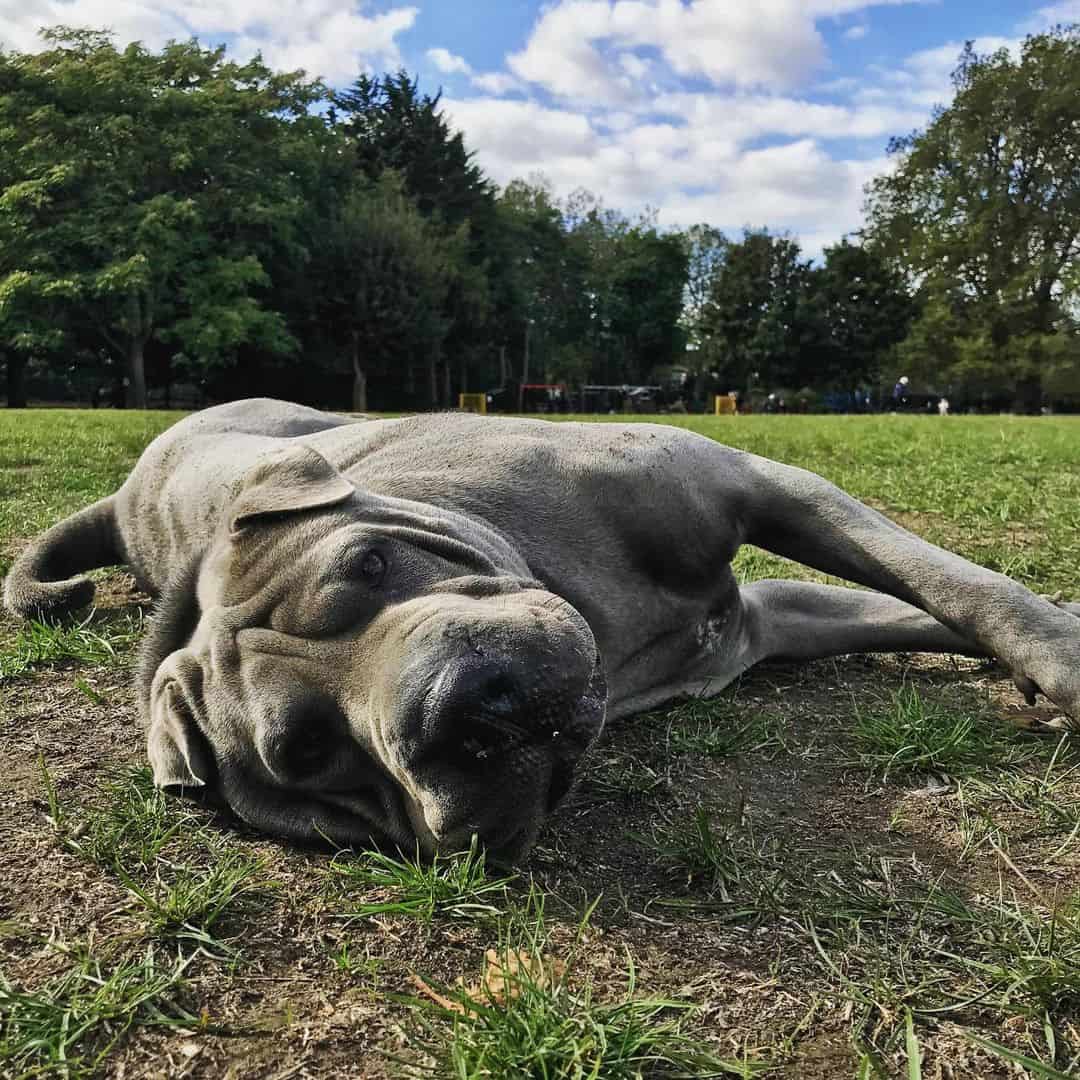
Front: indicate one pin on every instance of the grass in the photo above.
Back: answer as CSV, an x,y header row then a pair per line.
x,y
184,879
719,728
810,921
539,1018
133,823
944,956
97,639
186,904
70,1023
911,733
724,858
453,887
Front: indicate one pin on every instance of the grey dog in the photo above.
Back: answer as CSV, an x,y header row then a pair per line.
x,y
411,630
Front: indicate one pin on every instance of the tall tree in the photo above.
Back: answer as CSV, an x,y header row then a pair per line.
x,y
542,296
392,126
381,274
983,208
866,310
758,312
155,182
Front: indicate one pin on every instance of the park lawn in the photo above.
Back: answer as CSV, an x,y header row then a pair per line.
x,y
862,867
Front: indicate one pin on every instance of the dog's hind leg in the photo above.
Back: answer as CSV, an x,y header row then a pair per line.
x,y
803,517
794,620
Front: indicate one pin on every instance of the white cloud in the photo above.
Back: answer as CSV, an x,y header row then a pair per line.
x,y
692,170
577,47
496,82
857,32
449,63
745,116
925,79
1064,13
321,36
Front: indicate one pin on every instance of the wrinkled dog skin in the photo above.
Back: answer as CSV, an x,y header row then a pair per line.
x,y
411,630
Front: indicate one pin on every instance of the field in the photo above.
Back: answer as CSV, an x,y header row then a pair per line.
x,y
867,867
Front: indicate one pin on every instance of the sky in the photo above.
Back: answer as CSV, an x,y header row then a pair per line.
x,y
739,113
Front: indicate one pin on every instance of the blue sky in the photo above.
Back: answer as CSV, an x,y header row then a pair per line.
x,y
735,112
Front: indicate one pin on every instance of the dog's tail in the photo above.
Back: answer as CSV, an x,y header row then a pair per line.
x,y
42,580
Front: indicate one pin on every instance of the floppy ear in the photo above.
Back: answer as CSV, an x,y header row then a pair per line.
x,y
178,750
285,482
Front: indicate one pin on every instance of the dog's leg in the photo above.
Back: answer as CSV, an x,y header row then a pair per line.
x,y
803,517
795,620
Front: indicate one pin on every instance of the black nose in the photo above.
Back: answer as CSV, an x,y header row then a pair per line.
x,y
479,710
482,707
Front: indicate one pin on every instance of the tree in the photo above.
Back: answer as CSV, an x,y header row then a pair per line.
x,y
706,249
391,126
983,210
542,294
866,310
758,313
647,287
152,185
382,273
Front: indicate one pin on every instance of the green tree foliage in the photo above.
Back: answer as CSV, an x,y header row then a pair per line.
x,y
759,314
866,311
543,290
983,214
383,274
146,188
390,126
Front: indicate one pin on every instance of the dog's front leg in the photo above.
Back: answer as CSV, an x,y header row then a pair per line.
x,y
803,517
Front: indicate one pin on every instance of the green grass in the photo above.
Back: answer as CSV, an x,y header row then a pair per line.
x,y
453,887
740,873
68,1025
944,956
96,639
134,823
55,461
720,728
186,904
955,928
911,732
184,879
547,1022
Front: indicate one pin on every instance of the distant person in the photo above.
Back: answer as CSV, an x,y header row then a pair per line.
x,y
900,393
943,406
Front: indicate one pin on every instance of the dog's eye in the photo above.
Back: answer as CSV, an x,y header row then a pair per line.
x,y
372,567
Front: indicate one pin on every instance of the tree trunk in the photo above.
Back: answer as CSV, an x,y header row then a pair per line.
x,y
504,372
1029,395
16,380
447,388
135,383
359,386
139,322
433,377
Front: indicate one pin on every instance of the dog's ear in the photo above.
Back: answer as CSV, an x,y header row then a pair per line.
x,y
179,753
286,482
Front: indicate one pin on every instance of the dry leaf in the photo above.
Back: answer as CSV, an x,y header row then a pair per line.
x,y
499,981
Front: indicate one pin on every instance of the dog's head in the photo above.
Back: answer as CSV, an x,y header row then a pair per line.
x,y
356,667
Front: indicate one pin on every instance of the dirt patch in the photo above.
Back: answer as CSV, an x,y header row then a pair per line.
x,y
293,1005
